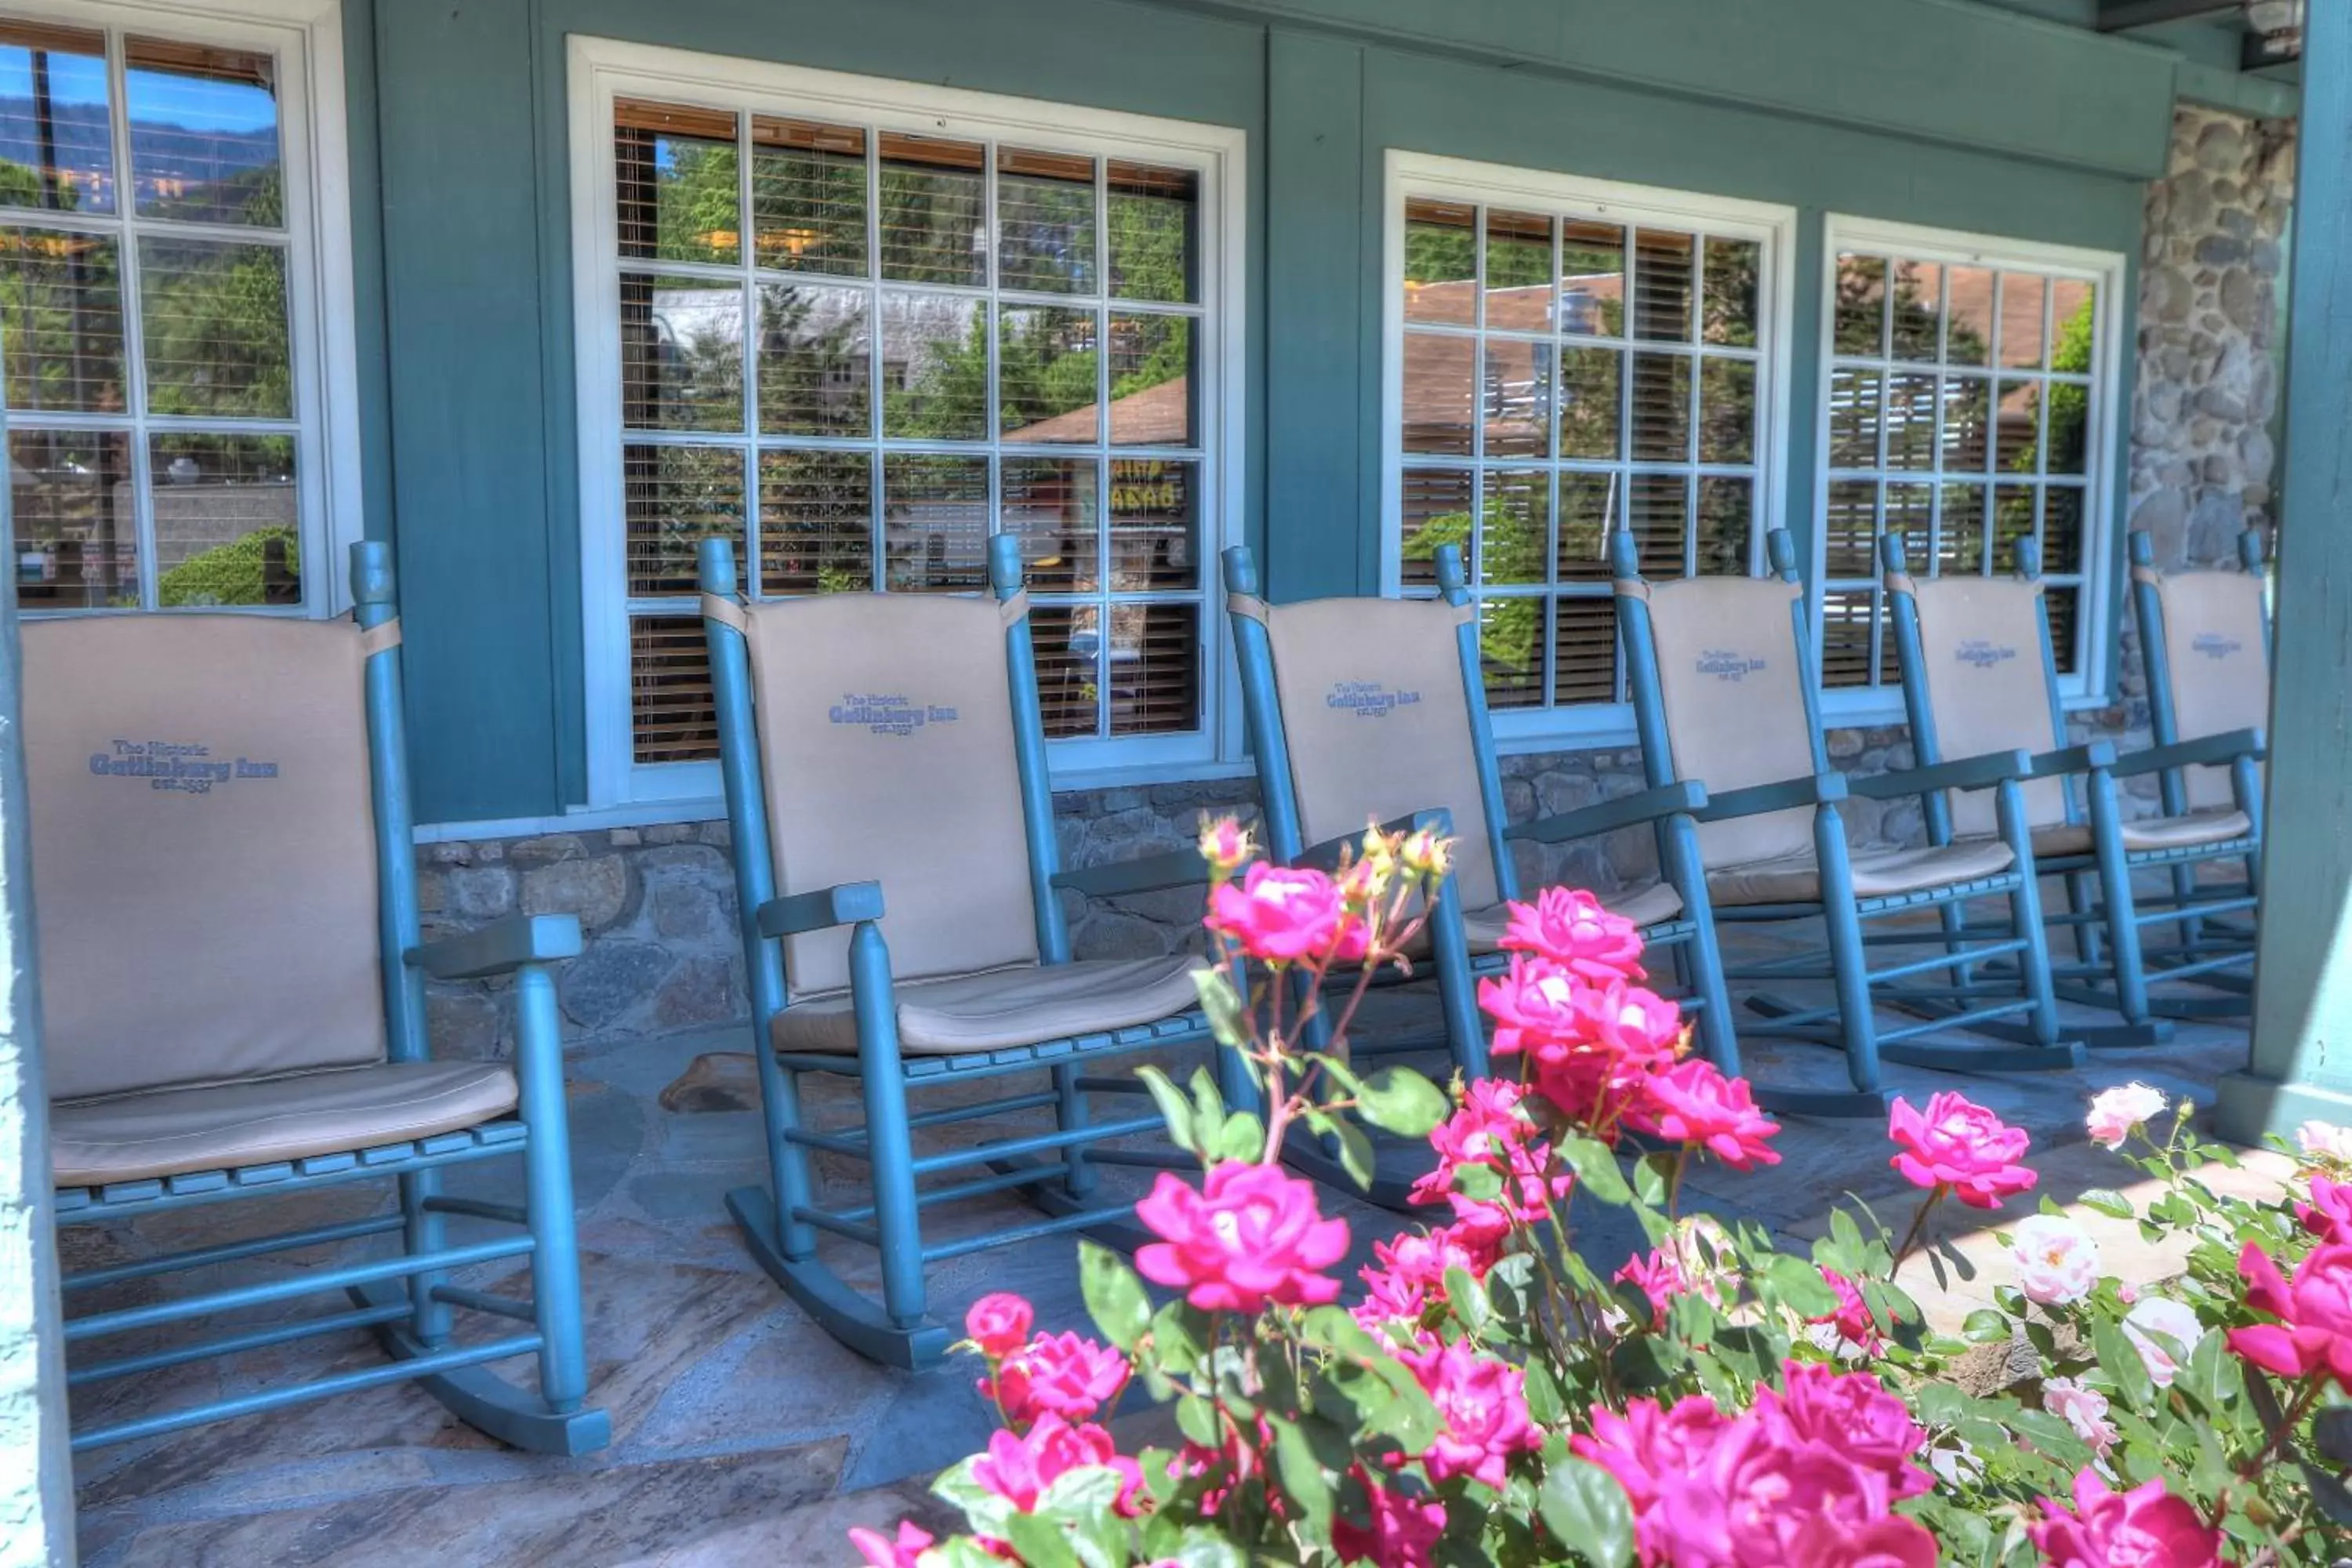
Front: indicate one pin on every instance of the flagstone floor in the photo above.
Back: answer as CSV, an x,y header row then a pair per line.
x,y
741,1432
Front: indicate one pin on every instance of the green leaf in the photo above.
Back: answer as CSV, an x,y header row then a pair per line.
x,y
1039,1540
1399,1100
1799,1286
1303,1478
1596,1169
1477,1182
1356,1156
2120,1360
1114,1295
1588,1512
1208,1107
1544,1403
1468,1299
2111,1203
1228,1020
1984,1327
1242,1137
1653,1176
1174,1108
1202,1547
1197,1419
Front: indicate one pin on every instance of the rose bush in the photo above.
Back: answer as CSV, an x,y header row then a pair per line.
x,y
1719,1402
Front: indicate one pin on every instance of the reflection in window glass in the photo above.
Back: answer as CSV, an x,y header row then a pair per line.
x,y
62,301
76,531
1664,275
56,119
227,525
1519,271
1441,262
951,338
213,320
203,134
1961,412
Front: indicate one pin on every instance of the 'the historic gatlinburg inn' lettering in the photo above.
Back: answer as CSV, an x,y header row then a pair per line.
x,y
886,713
1725,666
1982,653
2213,645
186,766
1369,698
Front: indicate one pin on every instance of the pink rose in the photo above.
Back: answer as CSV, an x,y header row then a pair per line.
x,y
884,1551
1483,1405
2143,1528
1659,1277
1852,1412
1693,1102
1490,1130
1411,1271
2324,1141
2114,1112
1750,1497
1893,1541
1225,846
1020,1468
1568,926
1250,1234
1960,1145
2057,1261
2082,1408
1400,1532
1646,1442
2156,1327
1279,915
1852,1318
1058,1375
998,1324
2313,1333
2328,1215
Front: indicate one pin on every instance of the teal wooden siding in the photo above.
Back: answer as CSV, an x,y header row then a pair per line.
x,y
1884,109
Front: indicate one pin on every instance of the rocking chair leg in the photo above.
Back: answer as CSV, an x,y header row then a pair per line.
x,y
1848,957
1702,953
2080,904
429,1322
2123,911
1070,1114
555,1242
897,1220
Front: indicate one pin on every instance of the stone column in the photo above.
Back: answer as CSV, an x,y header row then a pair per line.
x,y
2302,1064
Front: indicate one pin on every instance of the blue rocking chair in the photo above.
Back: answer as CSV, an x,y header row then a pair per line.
x,y
2205,645
226,899
891,744
1978,673
1371,709
1725,689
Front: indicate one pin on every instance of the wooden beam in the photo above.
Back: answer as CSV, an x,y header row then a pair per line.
x,y
2302,1059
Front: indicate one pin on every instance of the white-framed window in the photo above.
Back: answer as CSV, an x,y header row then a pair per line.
x,y
858,326
1964,396
1567,357
175,306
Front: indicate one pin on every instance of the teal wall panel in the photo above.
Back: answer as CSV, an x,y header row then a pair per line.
x,y
1873,107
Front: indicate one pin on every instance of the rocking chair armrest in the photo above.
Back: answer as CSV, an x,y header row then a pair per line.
x,y
499,948
2226,747
2088,757
1966,773
1144,874
851,903
1325,857
1753,800
1607,815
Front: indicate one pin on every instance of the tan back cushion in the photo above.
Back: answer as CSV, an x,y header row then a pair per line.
x,y
1378,725
1980,640
886,735
204,849
2220,664
1735,703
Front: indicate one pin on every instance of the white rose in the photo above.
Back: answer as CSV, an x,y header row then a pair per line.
x,y
2116,1111
2157,1316
2324,1141
2057,1261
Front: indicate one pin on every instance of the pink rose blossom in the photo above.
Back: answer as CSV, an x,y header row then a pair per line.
x,y
2324,1141
999,1324
1058,1375
2143,1528
1250,1234
1401,1532
1851,1319
1751,1496
1279,915
1852,1412
1020,1468
1647,1441
1589,1044
1958,1145
888,1552
1225,846
1483,1405
2114,1112
1490,1130
2057,1261
2328,1215
1568,926
2314,1334
1411,1271
1893,1542
2082,1408
1659,1277
2155,1319
1693,1102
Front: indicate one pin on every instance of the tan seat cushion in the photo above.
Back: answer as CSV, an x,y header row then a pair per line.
x,y
1002,1007
171,1131
1645,904
1877,873
2149,832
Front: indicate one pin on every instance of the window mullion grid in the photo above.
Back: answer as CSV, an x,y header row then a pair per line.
x,y
1693,323
1105,585
133,310
748,457
877,424
1555,398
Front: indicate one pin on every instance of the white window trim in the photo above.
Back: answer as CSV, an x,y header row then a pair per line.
x,y
306,35
2088,686
1409,172
603,68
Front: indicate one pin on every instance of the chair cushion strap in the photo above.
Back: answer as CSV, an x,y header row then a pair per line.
x,y
377,639
1012,611
726,612
2148,574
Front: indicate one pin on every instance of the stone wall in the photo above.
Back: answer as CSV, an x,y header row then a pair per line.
x,y
658,902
